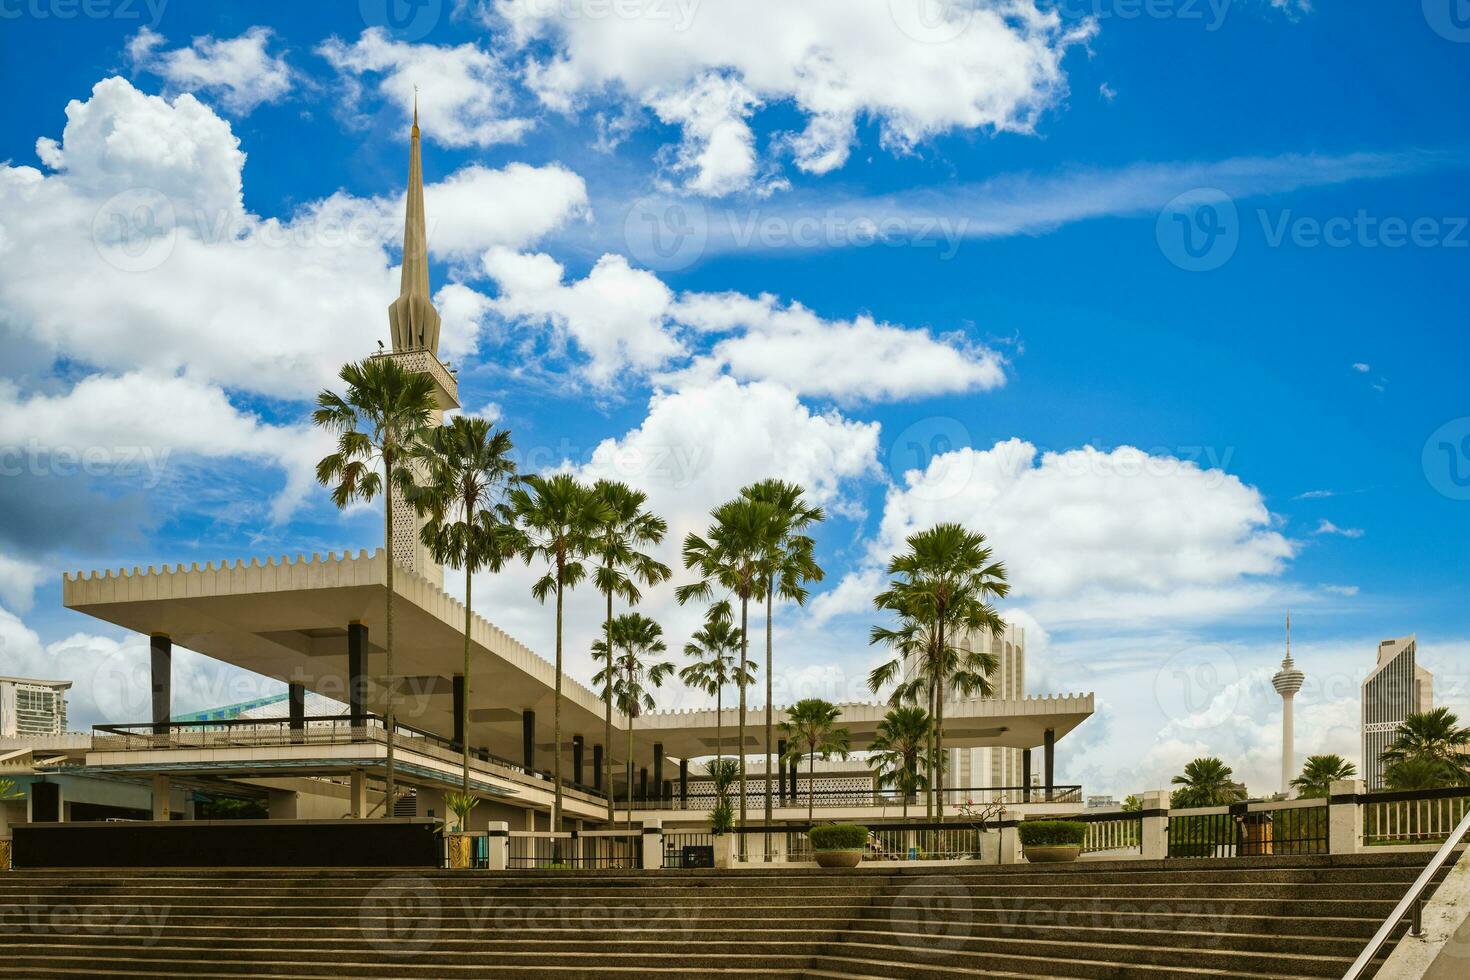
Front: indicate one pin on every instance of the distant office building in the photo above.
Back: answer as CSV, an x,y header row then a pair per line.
x,y
32,707
1101,803
996,766
1397,688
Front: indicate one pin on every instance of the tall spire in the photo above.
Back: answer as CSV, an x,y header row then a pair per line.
x,y
412,317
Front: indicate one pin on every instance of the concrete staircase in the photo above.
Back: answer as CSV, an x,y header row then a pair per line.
x,y
1282,917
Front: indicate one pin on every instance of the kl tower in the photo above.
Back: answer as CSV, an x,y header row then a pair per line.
x,y
1288,681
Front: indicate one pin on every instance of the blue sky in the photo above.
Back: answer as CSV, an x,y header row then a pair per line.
x,y
1169,300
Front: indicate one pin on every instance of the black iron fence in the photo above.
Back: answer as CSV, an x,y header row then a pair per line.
x,y
566,851
1242,831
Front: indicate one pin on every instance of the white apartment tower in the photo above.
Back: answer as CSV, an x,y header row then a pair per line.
x,y
32,707
1397,688
994,767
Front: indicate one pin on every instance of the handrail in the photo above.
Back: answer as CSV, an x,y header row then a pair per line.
x,y
1413,901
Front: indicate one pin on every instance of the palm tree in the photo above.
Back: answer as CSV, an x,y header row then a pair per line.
x,y
1410,774
1206,782
620,567
377,423
631,676
1432,739
559,517
810,730
467,471
898,745
1319,773
945,580
713,649
742,534
788,566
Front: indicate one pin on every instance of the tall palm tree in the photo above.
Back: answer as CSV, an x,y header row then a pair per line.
x,y
713,649
811,730
730,557
1432,738
788,566
1319,773
620,567
377,422
1408,774
558,517
635,637
467,472
1206,782
898,747
945,580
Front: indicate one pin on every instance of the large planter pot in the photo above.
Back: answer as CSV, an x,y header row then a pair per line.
x,y
461,849
839,859
4,855
1053,854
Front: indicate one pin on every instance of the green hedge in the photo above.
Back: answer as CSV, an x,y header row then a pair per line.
x,y
1052,833
839,837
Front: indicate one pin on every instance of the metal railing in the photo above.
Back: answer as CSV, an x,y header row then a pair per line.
x,y
1250,830
1112,833
675,844
918,841
1411,905
567,850
829,798
1413,817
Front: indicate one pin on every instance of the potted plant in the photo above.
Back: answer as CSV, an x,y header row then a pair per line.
x,y
1052,841
839,845
461,841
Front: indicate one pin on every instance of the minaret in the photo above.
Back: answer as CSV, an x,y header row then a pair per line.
x,y
1288,681
414,324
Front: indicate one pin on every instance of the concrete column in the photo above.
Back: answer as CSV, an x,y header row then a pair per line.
x,y
528,740
683,784
296,708
162,790
1154,839
161,651
1025,775
725,852
357,643
1010,845
658,767
1051,760
597,767
282,805
653,845
781,783
499,832
1345,817
460,735
359,794
643,784
577,746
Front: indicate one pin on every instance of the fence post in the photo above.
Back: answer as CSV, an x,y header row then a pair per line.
x,y
725,852
1345,817
1010,842
653,845
499,845
1154,840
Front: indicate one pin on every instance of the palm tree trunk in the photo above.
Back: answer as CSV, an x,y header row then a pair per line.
x,y
389,716
939,721
607,720
740,749
770,727
556,715
929,755
464,706
632,711
811,785
719,730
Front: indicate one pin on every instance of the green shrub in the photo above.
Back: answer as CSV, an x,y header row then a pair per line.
x,y
839,837
1052,833
722,818
1179,849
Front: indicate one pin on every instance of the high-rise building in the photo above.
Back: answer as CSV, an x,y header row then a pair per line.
x,y
996,767
1397,688
32,707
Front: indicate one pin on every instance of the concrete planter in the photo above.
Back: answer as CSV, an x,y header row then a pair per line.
x,y
461,850
4,855
1053,854
839,859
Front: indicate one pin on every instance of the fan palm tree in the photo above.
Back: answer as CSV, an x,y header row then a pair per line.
x,y
1410,774
811,730
1206,782
713,649
377,422
559,517
730,557
1432,738
898,750
620,567
945,581
789,565
467,472
635,637
1319,773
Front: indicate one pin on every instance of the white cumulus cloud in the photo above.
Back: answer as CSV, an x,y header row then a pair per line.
x,y
239,72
